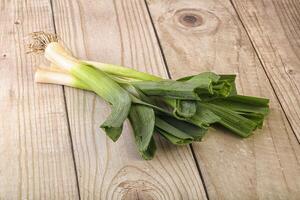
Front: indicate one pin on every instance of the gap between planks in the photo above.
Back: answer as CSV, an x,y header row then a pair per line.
x,y
84,180
170,77
162,13
67,113
264,68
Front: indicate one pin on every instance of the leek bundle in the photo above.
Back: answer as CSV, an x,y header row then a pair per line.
x,y
180,110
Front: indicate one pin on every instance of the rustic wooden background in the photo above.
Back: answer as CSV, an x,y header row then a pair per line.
x,y
51,146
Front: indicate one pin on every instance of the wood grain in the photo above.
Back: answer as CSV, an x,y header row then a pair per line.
x,y
274,29
35,152
119,32
199,35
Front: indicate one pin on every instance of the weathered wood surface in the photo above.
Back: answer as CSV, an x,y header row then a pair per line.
x,y
35,152
36,142
274,29
119,32
207,35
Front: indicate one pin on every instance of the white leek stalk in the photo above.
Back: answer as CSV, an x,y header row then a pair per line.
x,y
50,76
95,79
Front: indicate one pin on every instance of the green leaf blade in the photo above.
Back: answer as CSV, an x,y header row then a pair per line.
x,y
233,121
110,91
142,119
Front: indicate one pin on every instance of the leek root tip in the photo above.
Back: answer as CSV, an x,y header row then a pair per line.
x,y
40,40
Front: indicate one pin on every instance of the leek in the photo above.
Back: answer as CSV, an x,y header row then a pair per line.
x,y
96,80
199,87
122,71
180,110
142,119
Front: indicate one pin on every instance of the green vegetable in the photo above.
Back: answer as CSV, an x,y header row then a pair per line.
x,y
180,110
185,108
110,91
174,135
203,86
231,120
142,119
188,128
122,71
204,117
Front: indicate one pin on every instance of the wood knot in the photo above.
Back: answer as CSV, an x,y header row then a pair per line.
x,y
291,72
136,190
193,20
190,20
128,185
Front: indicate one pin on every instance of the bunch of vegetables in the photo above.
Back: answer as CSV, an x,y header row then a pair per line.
x,y
179,110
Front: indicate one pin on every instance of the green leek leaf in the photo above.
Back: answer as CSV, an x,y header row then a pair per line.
x,y
182,109
231,120
111,92
173,134
204,117
185,108
244,104
197,87
142,119
189,129
258,101
167,88
229,78
173,139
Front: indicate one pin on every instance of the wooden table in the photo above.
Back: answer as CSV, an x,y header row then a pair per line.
x,y
51,146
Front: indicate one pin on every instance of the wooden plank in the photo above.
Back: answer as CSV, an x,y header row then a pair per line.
x,y
35,151
199,35
274,29
119,32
